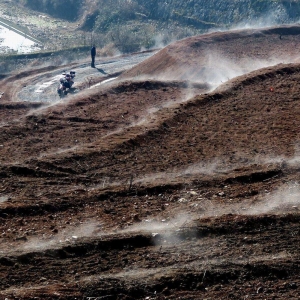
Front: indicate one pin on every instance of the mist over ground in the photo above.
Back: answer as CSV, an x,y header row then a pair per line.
x,y
178,178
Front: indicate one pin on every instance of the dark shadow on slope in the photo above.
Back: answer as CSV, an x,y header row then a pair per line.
x,y
102,71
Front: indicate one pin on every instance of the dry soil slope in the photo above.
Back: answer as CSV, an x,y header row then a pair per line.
x,y
240,124
228,149
221,55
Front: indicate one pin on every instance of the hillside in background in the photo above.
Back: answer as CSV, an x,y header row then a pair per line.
x,y
201,14
129,25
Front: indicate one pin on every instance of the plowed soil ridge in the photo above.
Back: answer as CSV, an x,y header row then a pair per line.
x,y
158,187
100,256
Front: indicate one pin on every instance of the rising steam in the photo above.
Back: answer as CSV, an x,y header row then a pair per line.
x,y
65,236
283,200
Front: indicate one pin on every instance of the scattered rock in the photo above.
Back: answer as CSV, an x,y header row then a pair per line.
x,y
21,238
182,200
136,218
6,261
293,285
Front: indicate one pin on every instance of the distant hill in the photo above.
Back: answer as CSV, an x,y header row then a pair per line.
x,y
202,14
64,9
130,25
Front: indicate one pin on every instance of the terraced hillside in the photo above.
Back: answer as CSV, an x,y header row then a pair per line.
x,y
158,188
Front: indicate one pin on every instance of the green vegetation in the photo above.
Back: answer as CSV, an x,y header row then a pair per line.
x,y
13,61
64,9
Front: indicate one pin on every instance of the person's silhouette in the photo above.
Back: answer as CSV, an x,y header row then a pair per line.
x,y
93,54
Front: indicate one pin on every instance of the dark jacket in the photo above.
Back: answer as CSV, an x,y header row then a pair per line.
x,y
93,51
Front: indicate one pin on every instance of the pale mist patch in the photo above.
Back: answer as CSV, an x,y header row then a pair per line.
x,y
65,236
3,198
51,153
159,41
162,40
160,224
280,161
285,199
163,230
216,70
272,17
216,166
220,69
168,230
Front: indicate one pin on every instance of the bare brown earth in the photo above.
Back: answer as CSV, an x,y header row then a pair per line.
x,y
159,188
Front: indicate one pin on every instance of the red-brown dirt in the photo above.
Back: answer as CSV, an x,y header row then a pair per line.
x,y
158,186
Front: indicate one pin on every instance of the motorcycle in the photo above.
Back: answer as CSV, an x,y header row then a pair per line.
x,y
65,83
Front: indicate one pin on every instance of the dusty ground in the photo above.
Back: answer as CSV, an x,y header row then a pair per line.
x,y
161,188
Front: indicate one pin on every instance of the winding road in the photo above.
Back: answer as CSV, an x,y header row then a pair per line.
x,y
42,86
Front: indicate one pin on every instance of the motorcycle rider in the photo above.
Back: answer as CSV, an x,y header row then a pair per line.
x,y
66,82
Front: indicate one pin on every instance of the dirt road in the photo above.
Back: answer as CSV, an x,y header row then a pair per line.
x,y
41,87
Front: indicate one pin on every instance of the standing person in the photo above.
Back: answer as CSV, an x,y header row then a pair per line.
x,y
93,54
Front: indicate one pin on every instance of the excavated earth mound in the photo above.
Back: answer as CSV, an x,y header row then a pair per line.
x,y
159,187
221,56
